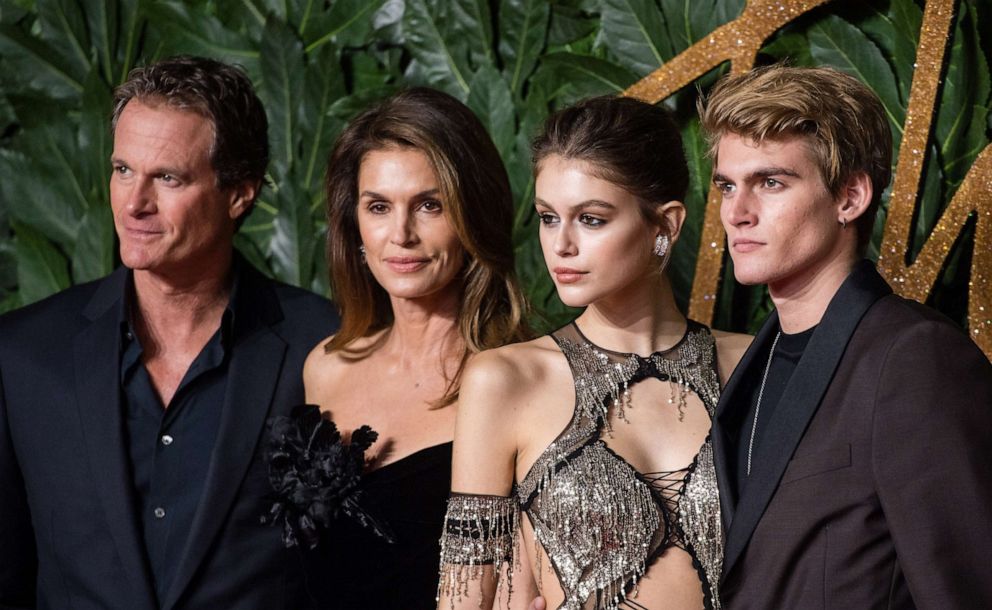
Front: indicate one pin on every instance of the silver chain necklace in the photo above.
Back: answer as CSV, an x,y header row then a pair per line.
x,y
757,407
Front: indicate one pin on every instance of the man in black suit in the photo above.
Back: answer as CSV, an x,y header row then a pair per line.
x,y
132,408
852,441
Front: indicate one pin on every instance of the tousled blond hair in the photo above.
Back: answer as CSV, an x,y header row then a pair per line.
x,y
843,121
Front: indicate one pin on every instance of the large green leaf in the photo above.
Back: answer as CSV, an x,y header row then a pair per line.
x,y
347,23
324,86
180,29
490,98
93,256
523,27
929,203
101,20
962,111
835,42
281,89
635,33
896,31
473,21
569,24
41,268
63,26
35,66
40,187
689,20
441,60
293,245
584,76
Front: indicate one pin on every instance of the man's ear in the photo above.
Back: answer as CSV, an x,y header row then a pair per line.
x,y
242,198
671,215
855,198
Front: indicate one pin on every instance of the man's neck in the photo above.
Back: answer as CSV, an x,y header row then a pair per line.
x,y
170,307
802,300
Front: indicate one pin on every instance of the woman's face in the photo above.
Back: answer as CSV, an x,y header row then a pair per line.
x,y
597,243
410,247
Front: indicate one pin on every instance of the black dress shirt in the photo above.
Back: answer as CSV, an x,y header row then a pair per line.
x,y
170,446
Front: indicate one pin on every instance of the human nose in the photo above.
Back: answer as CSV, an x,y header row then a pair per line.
x,y
738,209
564,243
402,232
140,198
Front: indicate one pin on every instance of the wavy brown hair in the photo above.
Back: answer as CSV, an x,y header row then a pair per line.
x,y
475,192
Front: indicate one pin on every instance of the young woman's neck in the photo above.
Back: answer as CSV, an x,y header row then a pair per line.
x,y
642,319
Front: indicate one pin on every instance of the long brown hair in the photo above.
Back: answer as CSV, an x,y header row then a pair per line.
x,y
477,201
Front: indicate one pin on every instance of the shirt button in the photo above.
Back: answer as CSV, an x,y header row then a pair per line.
x,y
167,440
159,512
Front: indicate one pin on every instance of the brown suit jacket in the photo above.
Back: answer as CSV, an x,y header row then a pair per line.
x,y
878,491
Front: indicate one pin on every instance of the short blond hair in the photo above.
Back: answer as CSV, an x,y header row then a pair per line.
x,y
841,118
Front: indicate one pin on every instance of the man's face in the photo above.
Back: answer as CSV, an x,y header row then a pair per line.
x,y
781,221
169,213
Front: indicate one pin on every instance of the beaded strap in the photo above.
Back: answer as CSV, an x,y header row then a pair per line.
x,y
479,531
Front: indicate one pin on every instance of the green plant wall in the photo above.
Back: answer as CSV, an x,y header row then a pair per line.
x,y
316,64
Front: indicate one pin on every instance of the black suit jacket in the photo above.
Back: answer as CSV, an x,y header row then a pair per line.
x,y
69,533
878,491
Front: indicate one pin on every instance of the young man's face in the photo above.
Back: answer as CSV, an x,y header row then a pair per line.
x,y
782,223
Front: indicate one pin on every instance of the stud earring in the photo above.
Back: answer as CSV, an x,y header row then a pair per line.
x,y
362,250
661,245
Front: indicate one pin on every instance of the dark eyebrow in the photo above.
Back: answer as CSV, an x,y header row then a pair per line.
x,y
588,203
420,195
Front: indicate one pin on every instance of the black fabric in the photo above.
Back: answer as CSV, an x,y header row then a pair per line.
x,y
169,446
788,351
352,568
70,531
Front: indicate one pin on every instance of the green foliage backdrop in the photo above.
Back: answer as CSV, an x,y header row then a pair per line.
x,y
316,64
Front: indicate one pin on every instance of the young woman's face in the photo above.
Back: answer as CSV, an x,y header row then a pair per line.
x,y
410,247
597,243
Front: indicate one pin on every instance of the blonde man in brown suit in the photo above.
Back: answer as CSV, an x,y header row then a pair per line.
x,y
852,442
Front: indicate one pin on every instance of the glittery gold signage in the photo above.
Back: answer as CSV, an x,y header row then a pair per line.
x,y
739,42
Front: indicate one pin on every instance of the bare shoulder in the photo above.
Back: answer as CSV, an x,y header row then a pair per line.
x,y
506,372
324,369
730,348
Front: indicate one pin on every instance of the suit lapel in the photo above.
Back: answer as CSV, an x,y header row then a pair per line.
x,y
256,363
96,357
800,400
729,412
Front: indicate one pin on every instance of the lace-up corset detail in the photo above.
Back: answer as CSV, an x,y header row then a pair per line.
x,y
601,522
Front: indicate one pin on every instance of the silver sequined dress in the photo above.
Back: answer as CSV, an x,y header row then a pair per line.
x,y
601,522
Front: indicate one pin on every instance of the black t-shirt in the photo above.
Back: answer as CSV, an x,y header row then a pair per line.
x,y
788,351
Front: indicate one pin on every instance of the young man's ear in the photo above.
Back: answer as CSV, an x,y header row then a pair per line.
x,y
855,198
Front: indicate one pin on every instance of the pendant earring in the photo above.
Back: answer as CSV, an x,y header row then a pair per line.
x,y
843,223
661,245
362,250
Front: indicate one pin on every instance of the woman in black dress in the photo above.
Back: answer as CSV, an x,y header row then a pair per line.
x,y
421,262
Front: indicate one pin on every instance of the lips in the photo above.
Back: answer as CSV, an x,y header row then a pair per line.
x,y
407,264
567,275
141,233
746,245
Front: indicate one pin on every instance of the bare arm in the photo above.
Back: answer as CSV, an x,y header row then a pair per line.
x,y
483,461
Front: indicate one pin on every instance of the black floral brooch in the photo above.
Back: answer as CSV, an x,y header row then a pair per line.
x,y
315,476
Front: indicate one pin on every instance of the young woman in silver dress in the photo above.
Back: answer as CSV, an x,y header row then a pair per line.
x,y
582,458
